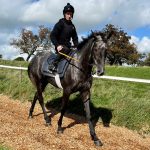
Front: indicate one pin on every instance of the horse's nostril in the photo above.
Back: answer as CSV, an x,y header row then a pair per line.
x,y
100,73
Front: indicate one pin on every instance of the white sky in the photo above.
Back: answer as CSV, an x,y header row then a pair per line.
x,y
130,15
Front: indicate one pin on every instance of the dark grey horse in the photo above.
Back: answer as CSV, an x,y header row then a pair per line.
x,y
78,77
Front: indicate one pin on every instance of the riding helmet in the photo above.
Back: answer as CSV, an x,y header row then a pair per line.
x,y
68,8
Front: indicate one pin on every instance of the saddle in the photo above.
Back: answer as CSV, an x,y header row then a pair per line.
x,y
61,67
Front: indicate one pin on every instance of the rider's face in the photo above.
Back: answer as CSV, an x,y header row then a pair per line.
x,y
68,15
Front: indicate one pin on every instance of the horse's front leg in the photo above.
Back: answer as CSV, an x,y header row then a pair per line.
x,y
86,99
65,99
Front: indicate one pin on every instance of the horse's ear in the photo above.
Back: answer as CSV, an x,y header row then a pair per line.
x,y
104,37
93,33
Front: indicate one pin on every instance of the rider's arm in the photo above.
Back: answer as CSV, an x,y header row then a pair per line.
x,y
55,33
75,37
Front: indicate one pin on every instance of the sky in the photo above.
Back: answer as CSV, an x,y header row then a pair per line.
x,y
133,16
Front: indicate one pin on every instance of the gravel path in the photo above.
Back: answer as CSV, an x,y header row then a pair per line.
x,y
20,133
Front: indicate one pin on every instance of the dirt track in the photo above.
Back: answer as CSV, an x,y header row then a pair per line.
x,y
20,133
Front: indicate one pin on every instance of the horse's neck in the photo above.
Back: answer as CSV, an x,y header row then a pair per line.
x,y
85,53
84,57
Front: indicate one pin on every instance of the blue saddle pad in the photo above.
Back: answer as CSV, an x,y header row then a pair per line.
x,y
62,65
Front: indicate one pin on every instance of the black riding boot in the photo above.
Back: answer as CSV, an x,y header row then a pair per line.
x,y
53,66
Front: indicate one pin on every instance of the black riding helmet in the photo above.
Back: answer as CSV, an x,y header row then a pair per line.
x,y
68,8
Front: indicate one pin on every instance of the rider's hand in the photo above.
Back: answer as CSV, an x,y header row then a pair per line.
x,y
59,48
74,48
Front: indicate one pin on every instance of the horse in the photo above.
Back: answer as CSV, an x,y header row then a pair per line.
x,y
78,78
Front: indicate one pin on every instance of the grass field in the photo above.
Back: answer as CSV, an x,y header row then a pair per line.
x,y
131,72
14,63
4,148
128,102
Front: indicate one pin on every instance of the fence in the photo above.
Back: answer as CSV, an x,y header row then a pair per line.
x,y
95,76
13,67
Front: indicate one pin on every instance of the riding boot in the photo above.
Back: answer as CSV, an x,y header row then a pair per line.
x,y
53,66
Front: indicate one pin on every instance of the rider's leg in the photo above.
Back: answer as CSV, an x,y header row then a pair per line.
x,y
53,66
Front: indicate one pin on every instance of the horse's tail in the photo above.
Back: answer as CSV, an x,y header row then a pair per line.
x,y
29,68
34,67
31,71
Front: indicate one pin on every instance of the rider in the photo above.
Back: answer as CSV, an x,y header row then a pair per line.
x,y
61,35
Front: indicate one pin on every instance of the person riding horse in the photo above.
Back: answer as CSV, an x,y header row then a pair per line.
x,y
61,35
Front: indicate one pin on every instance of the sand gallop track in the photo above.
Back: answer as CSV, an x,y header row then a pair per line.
x,y
20,133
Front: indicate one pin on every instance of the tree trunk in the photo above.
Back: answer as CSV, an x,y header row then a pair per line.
x,y
29,55
120,63
112,62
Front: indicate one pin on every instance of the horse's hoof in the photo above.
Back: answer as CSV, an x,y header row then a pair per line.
x,y
48,124
98,143
106,125
30,117
48,121
60,131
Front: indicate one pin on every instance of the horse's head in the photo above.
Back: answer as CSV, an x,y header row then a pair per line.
x,y
99,53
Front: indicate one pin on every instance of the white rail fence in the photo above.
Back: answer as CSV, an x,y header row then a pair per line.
x,y
13,67
95,76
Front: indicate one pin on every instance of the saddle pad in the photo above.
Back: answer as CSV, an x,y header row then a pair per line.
x,y
62,65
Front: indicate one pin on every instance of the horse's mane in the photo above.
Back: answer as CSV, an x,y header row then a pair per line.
x,y
85,40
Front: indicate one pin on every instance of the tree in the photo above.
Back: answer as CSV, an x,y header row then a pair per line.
x,y
29,43
120,50
147,60
19,59
1,56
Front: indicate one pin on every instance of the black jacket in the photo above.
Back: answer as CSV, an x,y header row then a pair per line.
x,y
62,33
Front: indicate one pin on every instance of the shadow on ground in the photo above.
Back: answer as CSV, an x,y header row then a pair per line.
x,y
76,111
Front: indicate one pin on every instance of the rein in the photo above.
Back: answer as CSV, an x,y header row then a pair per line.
x,y
69,56
77,60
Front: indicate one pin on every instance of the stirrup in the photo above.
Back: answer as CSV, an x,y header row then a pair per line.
x,y
52,68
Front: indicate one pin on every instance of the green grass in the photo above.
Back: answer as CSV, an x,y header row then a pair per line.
x,y
17,84
131,72
14,63
4,148
128,102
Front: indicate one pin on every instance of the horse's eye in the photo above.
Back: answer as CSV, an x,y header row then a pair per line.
x,y
95,49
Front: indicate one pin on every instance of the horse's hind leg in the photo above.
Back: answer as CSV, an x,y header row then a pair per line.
x,y
65,99
35,99
86,97
41,101
38,95
33,105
